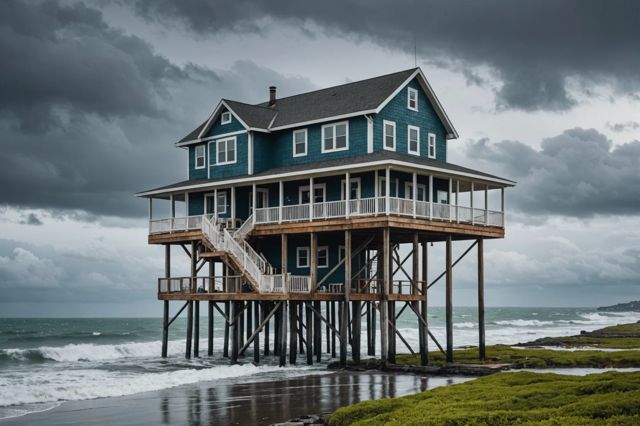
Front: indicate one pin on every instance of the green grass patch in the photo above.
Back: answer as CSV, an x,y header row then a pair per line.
x,y
533,358
623,336
521,398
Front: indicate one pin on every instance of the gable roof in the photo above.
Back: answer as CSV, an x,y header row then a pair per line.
x,y
346,100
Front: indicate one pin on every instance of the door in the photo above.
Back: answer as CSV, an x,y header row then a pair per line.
x,y
262,199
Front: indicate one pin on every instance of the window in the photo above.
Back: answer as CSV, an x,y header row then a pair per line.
x,y
443,197
226,151
354,193
340,253
302,257
389,135
412,99
318,192
225,118
432,145
323,257
422,191
393,186
413,140
200,157
300,143
222,202
335,137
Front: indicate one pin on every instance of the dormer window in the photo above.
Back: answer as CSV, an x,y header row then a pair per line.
x,y
412,99
432,145
200,157
225,118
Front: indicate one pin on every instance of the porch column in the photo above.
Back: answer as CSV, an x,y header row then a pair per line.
x,y
280,200
387,189
172,207
186,203
376,192
457,200
486,204
233,206
502,204
254,201
449,198
347,193
313,259
215,205
473,216
311,198
150,208
415,193
430,197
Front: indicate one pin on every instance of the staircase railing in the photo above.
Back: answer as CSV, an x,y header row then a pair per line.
x,y
244,229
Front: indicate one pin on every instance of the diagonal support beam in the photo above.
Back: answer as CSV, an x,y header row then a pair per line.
x,y
260,327
317,313
428,331
335,268
178,314
186,250
454,264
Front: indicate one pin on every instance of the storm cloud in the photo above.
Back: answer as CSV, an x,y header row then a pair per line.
x,y
579,173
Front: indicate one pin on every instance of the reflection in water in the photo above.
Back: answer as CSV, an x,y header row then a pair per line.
x,y
261,403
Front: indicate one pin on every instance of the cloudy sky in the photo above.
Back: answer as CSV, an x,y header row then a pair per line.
x,y
93,95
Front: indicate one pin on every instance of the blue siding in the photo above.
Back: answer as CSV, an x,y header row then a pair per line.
x,y
217,128
239,168
193,172
425,118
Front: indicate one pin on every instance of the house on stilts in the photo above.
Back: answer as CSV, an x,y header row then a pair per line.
x,y
296,209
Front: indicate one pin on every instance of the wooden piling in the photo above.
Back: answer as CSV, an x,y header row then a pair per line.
x,y
317,331
282,350
266,308
384,326
449,300
300,328
227,313
481,343
293,332
327,307
355,324
424,327
210,329
333,333
309,319
391,357
189,329
256,325
196,331
165,309
235,331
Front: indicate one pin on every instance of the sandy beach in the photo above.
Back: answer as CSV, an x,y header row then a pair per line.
x,y
225,402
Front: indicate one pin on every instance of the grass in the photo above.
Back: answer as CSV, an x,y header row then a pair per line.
x,y
533,358
521,398
623,336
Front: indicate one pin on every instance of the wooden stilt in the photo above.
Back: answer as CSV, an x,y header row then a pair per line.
x,y
256,340
249,321
189,329
227,312
266,307
235,330
210,329
293,332
344,325
481,343
165,309
277,328
368,315
240,321
309,319
282,351
449,301
317,332
386,255
373,328
356,321
391,357
300,328
424,328
327,307
333,333
196,331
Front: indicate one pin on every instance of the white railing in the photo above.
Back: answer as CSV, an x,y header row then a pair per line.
x,y
367,207
244,229
176,224
298,283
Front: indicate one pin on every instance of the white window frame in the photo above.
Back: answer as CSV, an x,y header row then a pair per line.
x,y
203,156
294,143
384,134
343,187
408,191
225,117
409,129
411,90
260,192
298,251
341,253
326,250
431,138
334,149
322,186
221,207
235,150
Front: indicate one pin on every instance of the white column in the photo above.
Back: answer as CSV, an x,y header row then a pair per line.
x,y
233,206
473,216
415,193
502,203
254,201
486,204
280,200
449,198
387,189
215,205
151,208
186,203
347,193
311,198
376,190
457,200
172,207
430,197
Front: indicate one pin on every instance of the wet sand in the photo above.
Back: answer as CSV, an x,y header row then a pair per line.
x,y
228,403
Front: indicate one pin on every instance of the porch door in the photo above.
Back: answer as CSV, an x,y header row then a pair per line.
x,y
318,194
262,199
209,204
422,191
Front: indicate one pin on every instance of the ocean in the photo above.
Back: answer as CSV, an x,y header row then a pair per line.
x,y
44,362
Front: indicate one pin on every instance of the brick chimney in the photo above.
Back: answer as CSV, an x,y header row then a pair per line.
x,y
272,95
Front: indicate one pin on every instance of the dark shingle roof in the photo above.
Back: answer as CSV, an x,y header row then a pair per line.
x,y
349,98
355,161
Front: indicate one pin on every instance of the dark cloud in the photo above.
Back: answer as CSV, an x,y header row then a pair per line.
x,y
535,47
30,219
623,127
578,173
89,114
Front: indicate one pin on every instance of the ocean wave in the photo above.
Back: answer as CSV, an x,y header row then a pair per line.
x,y
52,386
523,323
85,352
465,325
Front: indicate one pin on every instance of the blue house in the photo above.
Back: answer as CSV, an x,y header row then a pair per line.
x,y
305,199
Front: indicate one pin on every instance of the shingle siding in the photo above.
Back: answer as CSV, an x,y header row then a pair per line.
x,y
425,118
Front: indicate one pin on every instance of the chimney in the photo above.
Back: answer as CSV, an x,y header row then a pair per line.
x,y
272,95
